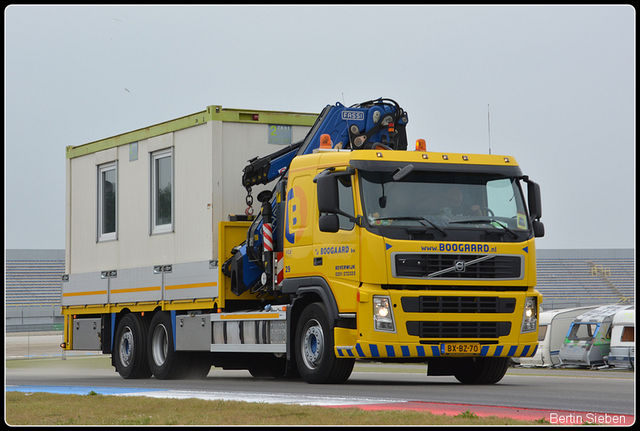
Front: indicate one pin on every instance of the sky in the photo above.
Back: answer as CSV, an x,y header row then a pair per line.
x,y
552,86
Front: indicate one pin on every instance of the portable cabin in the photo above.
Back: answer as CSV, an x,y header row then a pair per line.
x,y
589,337
623,346
552,330
155,195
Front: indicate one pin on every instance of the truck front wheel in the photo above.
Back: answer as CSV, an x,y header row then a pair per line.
x,y
130,353
482,370
315,356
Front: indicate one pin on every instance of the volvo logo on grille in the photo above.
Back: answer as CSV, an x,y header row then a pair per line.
x,y
459,265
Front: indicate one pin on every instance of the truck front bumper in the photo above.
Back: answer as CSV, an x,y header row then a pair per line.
x,y
398,351
483,324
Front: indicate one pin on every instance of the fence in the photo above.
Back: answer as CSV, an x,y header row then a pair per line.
x,y
33,319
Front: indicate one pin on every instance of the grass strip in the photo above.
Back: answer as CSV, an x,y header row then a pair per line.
x,y
94,409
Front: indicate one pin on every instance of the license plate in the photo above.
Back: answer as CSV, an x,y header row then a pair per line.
x,y
459,349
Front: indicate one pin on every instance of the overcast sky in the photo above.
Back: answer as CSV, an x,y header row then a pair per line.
x,y
559,82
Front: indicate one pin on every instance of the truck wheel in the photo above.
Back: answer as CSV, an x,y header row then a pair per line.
x,y
164,361
130,353
481,371
315,356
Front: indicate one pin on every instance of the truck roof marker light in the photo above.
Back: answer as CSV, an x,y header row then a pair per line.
x,y
421,145
425,156
325,141
465,158
506,159
256,117
379,154
445,157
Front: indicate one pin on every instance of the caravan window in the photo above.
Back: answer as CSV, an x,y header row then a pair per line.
x,y
628,334
582,331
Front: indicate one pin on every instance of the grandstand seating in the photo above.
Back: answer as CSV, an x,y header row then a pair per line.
x,y
609,280
33,282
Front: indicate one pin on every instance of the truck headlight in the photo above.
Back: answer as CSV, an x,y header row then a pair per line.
x,y
383,314
530,315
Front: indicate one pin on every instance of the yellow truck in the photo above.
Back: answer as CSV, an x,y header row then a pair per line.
x,y
362,251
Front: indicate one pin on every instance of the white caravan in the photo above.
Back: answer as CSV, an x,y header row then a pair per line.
x,y
589,337
552,330
623,346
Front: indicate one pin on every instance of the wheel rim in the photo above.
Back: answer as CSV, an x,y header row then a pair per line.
x,y
126,346
312,344
160,345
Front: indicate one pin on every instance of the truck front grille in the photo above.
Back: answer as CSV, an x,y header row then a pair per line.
x,y
448,330
457,266
458,304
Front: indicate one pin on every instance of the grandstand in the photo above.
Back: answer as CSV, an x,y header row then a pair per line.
x,y
33,277
568,278
33,284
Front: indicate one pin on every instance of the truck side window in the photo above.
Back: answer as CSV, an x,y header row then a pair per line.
x,y
107,201
345,195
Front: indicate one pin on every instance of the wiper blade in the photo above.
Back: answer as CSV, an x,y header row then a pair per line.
x,y
487,220
420,219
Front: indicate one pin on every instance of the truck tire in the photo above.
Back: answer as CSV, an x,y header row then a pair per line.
x,y
314,352
164,361
130,352
481,371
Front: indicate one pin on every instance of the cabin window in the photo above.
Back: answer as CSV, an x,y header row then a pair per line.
x,y
107,201
162,187
628,334
345,196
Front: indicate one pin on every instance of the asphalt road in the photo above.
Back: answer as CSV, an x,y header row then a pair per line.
x,y
604,391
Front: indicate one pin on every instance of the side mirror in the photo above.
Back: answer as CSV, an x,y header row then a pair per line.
x,y
329,223
329,200
535,200
538,229
327,194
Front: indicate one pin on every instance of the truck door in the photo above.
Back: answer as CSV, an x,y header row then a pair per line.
x,y
336,254
298,231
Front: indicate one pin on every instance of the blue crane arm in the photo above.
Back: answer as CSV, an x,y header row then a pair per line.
x,y
266,169
361,126
364,125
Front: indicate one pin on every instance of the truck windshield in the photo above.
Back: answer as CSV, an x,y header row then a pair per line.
x,y
447,203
